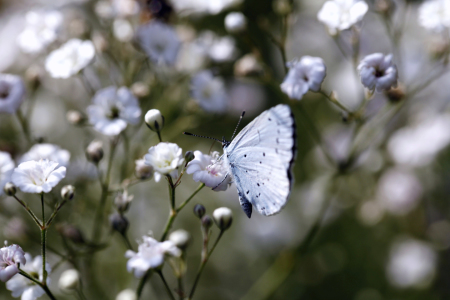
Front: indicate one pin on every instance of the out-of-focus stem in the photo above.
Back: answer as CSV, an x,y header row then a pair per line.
x,y
43,241
169,292
24,125
182,205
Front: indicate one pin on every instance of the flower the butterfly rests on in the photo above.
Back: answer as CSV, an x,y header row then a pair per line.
x,y
260,160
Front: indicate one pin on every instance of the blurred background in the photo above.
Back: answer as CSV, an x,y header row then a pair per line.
x,y
368,216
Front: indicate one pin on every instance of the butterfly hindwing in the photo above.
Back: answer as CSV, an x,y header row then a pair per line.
x,y
261,157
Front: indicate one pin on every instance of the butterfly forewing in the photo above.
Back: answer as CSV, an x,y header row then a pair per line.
x,y
261,157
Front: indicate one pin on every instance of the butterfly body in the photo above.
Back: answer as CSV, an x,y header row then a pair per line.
x,y
260,159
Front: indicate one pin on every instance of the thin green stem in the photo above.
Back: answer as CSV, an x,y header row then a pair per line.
x,y
141,285
172,216
24,125
335,101
182,205
159,135
55,212
29,211
44,287
126,150
43,241
180,287
203,264
127,241
169,292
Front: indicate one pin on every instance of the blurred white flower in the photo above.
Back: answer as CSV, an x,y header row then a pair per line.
x,y
21,286
186,7
40,30
10,257
69,280
104,9
122,30
412,263
219,49
123,201
125,8
434,15
12,92
127,294
207,169
305,74
142,170
339,15
191,58
417,145
209,91
165,158
6,169
377,72
159,41
47,151
235,22
399,191
70,58
113,109
151,254
38,176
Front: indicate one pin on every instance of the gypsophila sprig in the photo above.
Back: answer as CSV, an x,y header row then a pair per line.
x,y
10,258
209,170
12,92
378,72
340,15
165,158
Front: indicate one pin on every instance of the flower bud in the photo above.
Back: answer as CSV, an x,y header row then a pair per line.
x,y
127,294
10,189
75,117
94,151
33,75
69,280
207,222
142,170
119,223
122,201
235,22
247,65
67,192
71,232
154,120
189,156
223,217
180,238
396,94
199,211
140,89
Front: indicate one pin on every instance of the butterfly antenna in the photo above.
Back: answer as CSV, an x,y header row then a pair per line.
x,y
237,126
201,136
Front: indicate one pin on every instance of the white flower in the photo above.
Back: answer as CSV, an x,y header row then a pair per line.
x,y
125,8
47,151
12,92
154,119
235,22
209,170
40,30
113,108
151,254
412,263
6,169
304,74
209,91
10,257
159,41
165,158
417,145
21,286
203,6
122,30
434,15
69,280
70,58
38,176
127,294
399,191
219,49
339,15
223,217
377,72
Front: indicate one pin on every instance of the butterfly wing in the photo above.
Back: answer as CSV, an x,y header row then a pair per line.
x,y
261,158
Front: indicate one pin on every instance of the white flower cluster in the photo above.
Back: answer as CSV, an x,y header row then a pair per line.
x,y
434,15
340,15
165,158
209,170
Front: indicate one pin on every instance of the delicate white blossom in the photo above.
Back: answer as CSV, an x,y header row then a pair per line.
x,y
209,170
12,92
38,176
127,294
339,15
159,41
218,49
41,30
209,91
235,22
123,30
412,263
305,74
113,109
165,158
21,286
6,169
70,58
418,144
10,257
199,7
151,254
378,72
434,15
69,280
47,151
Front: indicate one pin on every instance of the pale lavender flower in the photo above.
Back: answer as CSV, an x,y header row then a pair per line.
x,y
209,170
12,92
113,109
6,169
305,74
378,72
150,255
10,258
47,151
209,91
339,15
165,158
38,176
